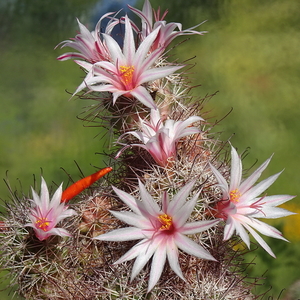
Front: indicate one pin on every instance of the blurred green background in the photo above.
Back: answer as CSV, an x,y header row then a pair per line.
x,y
250,55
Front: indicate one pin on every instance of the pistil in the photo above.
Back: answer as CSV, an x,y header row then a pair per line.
x,y
43,224
235,195
126,73
166,222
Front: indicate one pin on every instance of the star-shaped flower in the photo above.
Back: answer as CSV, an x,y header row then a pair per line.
x,y
45,214
129,69
89,44
167,32
241,203
162,230
160,139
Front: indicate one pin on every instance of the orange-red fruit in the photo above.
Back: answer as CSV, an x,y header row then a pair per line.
x,y
82,184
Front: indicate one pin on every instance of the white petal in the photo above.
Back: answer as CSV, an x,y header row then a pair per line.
x,y
122,234
105,65
85,33
259,188
116,93
127,199
148,205
181,216
155,117
145,254
273,213
141,94
129,46
172,254
180,198
263,228
229,229
85,65
221,180
242,232
158,263
156,73
132,253
114,50
145,15
44,196
149,61
196,227
190,247
186,132
36,199
182,128
139,135
58,231
106,88
65,214
236,170
89,78
248,183
56,198
259,239
144,48
132,219
276,199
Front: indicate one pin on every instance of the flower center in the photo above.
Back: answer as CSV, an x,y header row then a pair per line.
x,y
43,224
223,209
235,195
126,75
166,222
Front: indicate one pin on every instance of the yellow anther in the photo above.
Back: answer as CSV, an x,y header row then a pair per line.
x,y
166,221
235,195
43,224
126,74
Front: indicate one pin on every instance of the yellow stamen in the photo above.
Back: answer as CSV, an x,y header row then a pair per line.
x,y
126,74
235,195
166,221
43,224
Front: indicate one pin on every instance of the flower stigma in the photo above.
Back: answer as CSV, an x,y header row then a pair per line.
x,y
166,222
126,74
235,195
42,223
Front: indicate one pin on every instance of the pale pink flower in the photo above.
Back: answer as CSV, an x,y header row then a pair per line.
x,y
241,203
167,32
161,230
45,214
89,44
160,139
129,69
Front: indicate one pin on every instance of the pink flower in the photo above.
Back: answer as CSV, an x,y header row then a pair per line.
x,y
161,231
160,139
129,69
89,44
167,31
241,204
45,214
